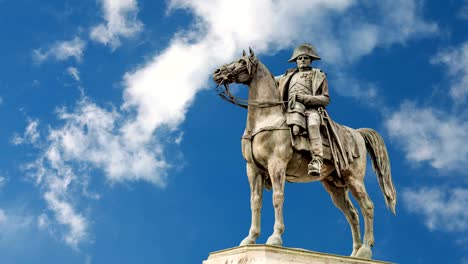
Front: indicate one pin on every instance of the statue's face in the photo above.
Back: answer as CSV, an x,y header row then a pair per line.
x,y
303,61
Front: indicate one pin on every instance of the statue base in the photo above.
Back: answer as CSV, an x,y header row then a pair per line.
x,y
265,254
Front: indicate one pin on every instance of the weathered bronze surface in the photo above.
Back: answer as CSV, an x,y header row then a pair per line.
x,y
288,127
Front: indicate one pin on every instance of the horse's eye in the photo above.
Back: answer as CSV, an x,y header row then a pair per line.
x,y
241,61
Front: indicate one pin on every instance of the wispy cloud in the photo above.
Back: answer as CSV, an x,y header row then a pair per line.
x,y
455,59
120,21
43,221
30,135
443,209
58,183
74,73
61,50
88,139
91,134
346,85
66,215
430,135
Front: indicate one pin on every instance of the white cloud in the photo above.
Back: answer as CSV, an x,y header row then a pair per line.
x,y
429,135
43,221
58,183
443,209
353,87
61,51
121,21
402,21
336,27
92,135
74,73
88,139
30,135
456,61
179,138
66,215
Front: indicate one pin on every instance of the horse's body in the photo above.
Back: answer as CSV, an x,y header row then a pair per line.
x,y
267,148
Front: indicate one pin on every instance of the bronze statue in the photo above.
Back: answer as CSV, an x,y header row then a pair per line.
x,y
274,155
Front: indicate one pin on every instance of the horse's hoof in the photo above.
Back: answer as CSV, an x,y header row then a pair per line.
x,y
247,241
353,254
275,240
364,252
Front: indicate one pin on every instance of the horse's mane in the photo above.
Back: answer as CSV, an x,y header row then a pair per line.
x,y
267,70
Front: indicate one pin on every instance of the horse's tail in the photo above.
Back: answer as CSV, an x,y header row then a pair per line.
x,y
381,164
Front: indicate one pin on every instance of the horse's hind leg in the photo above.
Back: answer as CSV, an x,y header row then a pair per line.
x,y
256,191
367,207
277,171
341,200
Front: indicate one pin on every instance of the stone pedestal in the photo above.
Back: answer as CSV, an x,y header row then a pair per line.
x,y
264,254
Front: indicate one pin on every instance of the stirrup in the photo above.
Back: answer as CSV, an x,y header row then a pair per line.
x,y
315,167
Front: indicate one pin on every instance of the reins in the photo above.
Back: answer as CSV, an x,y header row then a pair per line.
x,y
226,95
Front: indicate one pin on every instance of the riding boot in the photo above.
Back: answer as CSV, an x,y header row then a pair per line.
x,y
315,165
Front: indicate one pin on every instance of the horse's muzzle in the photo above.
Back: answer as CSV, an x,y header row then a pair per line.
x,y
220,78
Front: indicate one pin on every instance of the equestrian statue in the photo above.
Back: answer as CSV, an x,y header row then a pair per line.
x,y
289,136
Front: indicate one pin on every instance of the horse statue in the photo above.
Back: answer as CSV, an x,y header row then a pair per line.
x,y
272,160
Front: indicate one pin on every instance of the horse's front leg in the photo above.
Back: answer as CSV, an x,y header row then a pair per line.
x,y
256,191
277,171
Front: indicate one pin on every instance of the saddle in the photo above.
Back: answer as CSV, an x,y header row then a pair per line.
x,y
339,144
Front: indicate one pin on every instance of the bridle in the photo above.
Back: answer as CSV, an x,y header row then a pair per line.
x,y
222,89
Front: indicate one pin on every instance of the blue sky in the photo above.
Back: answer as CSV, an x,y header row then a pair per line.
x,y
116,149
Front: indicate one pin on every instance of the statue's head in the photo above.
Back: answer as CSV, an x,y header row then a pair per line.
x,y
238,71
303,55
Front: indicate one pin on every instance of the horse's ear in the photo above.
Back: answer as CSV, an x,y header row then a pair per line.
x,y
251,52
244,53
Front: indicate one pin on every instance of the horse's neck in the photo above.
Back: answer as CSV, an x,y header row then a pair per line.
x,y
263,89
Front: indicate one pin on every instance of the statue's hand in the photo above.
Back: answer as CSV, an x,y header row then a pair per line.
x,y
300,98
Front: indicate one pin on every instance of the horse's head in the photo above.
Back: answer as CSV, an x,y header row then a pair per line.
x,y
238,71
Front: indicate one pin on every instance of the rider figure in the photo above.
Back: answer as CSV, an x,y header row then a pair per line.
x,y
306,90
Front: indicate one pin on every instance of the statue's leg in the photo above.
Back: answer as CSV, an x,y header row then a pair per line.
x,y
341,200
316,149
367,208
277,171
256,191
